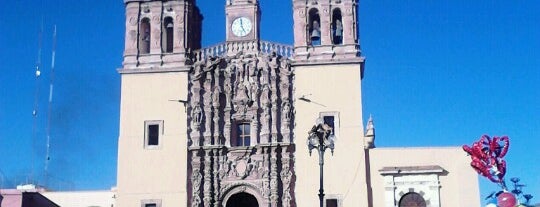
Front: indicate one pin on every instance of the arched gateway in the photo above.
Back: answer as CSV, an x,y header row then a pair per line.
x,y
242,200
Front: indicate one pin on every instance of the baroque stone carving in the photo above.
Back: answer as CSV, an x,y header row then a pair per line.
x,y
250,84
225,91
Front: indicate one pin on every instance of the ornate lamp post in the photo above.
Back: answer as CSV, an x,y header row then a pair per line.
x,y
321,137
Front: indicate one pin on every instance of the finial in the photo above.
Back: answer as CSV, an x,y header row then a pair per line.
x,y
369,137
370,123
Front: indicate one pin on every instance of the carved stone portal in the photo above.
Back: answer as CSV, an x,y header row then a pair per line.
x,y
227,91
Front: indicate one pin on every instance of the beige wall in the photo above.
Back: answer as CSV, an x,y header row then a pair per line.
x,y
82,198
332,88
459,187
152,173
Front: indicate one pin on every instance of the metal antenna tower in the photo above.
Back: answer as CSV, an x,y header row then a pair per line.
x,y
51,88
36,98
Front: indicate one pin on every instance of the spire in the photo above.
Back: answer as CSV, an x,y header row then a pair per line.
x,y
370,134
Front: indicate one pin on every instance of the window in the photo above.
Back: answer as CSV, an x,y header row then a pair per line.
x,y
243,136
332,120
153,135
331,203
151,203
329,120
167,35
337,27
153,132
333,200
314,28
144,36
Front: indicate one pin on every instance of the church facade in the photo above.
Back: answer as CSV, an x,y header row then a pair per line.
x,y
227,125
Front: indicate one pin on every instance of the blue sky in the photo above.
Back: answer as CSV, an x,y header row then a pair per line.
x,y
438,73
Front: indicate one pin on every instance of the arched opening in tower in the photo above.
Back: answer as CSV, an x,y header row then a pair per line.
x,y
144,36
337,27
314,27
167,35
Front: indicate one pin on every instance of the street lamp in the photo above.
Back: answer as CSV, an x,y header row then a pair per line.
x,y
321,137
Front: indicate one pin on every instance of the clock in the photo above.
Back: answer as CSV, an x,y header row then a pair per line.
x,y
241,26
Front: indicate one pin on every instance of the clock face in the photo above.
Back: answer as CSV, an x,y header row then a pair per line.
x,y
241,26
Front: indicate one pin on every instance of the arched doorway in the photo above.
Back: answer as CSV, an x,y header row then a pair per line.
x,y
412,200
242,200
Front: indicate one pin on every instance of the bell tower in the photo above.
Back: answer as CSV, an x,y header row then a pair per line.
x,y
328,70
326,31
242,19
160,34
152,151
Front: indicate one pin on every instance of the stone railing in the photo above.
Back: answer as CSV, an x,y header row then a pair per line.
x,y
279,49
235,47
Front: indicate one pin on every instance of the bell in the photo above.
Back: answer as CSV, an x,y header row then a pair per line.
x,y
170,25
316,34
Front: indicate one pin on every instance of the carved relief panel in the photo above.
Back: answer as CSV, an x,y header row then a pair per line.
x,y
243,88
252,91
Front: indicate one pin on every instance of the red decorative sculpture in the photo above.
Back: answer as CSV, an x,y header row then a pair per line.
x,y
487,157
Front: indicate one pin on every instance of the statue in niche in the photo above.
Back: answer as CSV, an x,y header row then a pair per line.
x,y
207,95
242,99
215,95
267,113
254,92
228,93
197,115
286,110
265,95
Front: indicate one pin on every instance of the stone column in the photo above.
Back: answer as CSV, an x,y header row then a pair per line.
x,y
196,179
274,196
207,186
286,176
216,170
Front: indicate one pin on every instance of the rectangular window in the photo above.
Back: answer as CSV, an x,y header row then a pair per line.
x,y
331,119
331,203
151,203
243,133
152,133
